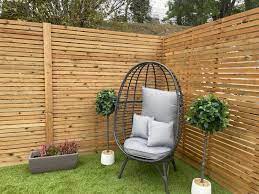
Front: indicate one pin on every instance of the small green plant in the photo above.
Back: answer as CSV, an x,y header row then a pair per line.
x,y
210,114
49,150
105,105
52,150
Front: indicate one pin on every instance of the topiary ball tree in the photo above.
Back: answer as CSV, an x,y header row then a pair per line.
x,y
210,114
105,105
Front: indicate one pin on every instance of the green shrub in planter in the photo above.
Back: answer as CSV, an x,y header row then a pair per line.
x,y
210,114
105,105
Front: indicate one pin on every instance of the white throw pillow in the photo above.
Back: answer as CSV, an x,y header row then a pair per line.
x,y
140,126
160,134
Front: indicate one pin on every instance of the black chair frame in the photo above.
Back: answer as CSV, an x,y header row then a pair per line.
x,y
154,75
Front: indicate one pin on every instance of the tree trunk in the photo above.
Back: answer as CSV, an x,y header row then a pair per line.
x,y
204,156
107,131
226,7
126,11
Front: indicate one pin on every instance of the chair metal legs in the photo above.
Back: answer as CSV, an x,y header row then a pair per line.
x,y
123,167
174,165
164,174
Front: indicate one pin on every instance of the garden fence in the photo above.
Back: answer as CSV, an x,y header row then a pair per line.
x,y
222,57
50,75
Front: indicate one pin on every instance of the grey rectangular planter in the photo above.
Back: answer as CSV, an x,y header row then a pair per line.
x,y
51,163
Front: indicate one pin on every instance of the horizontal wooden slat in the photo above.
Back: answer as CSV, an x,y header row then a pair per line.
x,y
221,57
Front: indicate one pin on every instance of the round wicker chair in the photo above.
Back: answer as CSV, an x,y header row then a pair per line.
x,y
129,101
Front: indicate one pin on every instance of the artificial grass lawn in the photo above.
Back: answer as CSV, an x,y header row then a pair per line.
x,y
91,177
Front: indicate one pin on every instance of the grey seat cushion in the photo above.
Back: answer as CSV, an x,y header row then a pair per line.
x,y
162,105
138,147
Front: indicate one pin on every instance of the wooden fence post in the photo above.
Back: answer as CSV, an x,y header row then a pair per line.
x,y
255,185
48,82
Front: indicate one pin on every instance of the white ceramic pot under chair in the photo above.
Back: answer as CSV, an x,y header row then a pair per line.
x,y
199,187
107,157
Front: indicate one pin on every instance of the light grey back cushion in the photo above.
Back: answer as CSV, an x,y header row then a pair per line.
x,y
140,126
162,105
160,134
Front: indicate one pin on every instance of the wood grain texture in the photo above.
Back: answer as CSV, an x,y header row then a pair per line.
x,y
48,82
49,78
50,75
84,62
22,99
221,57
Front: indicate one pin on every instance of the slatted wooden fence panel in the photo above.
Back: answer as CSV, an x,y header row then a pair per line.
x,y
22,101
222,57
84,62
49,78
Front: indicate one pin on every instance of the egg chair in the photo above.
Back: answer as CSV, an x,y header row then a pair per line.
x,y
160,79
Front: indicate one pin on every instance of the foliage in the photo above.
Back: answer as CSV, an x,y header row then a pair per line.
x,y
132,10
105,102
43,149
49,150
191,12
250,4
93,13
68,148
105,105
113,8
143,28
118,10
140,10
196,12
209,114
228,7
52,150
83,13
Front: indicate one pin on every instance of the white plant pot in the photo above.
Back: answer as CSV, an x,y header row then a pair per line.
x,y
107,157
201,188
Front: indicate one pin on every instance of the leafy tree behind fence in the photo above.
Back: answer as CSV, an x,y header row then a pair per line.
x,y
196,12
82,13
